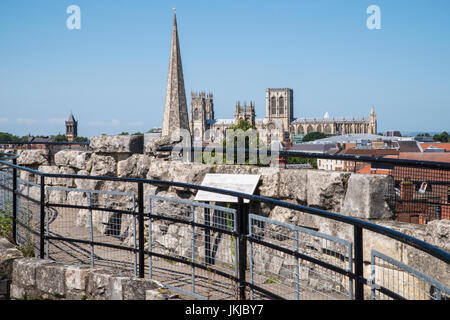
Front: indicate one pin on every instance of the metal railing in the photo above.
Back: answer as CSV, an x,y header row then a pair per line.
x,y
203,250
420,190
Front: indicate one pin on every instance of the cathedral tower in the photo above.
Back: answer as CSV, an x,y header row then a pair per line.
x,y
202,110
175,108
280,106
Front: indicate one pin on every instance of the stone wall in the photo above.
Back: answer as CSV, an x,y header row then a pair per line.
x,y
352,194
32,278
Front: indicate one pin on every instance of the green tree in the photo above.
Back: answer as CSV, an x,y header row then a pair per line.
x,y
81,139
423,135
312,136
60,138
298,160
4,136
443,137
249,143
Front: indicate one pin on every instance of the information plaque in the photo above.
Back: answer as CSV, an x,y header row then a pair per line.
x,y
245,183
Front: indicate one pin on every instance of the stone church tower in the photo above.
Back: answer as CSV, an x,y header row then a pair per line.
x,y
202,110
71,128
175,108
280,106
245,112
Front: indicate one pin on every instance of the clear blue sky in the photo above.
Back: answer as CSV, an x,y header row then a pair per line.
x,y
112,73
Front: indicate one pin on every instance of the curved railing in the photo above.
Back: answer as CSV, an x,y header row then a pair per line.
x,y
240,232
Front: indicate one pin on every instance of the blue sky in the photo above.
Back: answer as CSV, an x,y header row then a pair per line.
x,y
112,73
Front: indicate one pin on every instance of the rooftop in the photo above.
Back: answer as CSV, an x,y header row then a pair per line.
x,y
439,145
423,156
346,138
369,152
314,148
330,119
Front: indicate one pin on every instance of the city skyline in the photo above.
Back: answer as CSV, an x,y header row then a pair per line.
x,y
112,76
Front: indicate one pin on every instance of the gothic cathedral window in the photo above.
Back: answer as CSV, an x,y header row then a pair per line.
x,y
281,105
196,114
273,104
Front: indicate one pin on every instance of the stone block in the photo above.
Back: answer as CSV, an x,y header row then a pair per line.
x,y
101,165
28,176
326,189
16,292
159,169
25,270
76,277
8,253
270,182
35,157
50,279
159,294
72,158
191,173
135,288
61,182
117,144
367,196
293,184
98,285
88,184
438,232
136,166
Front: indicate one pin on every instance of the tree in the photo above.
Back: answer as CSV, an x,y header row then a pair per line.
x,y
4,136
81,139
60,138
249,143
312,136
443,137
298,160
423,135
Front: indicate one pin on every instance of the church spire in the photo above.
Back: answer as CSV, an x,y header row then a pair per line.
x,y
175,108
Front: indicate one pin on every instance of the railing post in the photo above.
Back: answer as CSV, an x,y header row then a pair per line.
x,y
359,264
14,202
242,229
42,219
141,229
207,232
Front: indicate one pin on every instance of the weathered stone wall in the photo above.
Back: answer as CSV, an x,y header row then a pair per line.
x,y
352,194
32,278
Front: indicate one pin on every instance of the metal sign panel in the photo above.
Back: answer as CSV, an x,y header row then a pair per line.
x,y
245,183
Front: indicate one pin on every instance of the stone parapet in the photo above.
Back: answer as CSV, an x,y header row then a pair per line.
x,y
117,144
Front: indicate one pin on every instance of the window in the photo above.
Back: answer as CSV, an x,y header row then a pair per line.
x,y
281,105
196,133
196,114
273,104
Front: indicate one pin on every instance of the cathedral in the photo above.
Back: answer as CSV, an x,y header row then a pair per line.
x,y
278,124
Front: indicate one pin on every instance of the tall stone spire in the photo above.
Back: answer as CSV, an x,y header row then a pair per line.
x,y
175,108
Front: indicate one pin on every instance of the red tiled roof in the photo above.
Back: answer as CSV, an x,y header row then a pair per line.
x,y
370,152
445,146
425,156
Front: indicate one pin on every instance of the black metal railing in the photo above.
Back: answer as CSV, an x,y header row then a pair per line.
x,y
420,192
7,161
